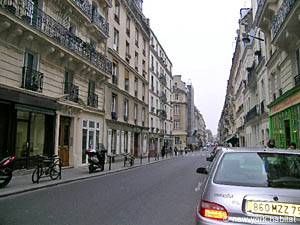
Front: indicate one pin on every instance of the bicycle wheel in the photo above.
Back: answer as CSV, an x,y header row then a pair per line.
x,y
55,170
36,175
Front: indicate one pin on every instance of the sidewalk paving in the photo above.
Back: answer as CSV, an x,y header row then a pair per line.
x,y
21,181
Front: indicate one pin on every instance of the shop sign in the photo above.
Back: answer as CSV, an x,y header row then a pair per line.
x,y
288,102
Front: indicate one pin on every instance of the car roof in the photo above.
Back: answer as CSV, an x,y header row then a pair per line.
x,y
260,149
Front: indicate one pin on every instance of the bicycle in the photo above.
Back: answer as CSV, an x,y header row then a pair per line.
x,y
128,159
47,167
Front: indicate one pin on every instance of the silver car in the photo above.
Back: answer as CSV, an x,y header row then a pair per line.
x,y
251,186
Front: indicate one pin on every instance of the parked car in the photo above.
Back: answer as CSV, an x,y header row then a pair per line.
x,y
251,186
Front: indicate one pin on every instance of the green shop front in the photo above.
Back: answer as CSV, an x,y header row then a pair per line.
x,y
285,119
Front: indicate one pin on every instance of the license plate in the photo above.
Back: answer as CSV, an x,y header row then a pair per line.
x,y
273,208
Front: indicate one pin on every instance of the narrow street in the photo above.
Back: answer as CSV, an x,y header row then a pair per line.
x,y
161,193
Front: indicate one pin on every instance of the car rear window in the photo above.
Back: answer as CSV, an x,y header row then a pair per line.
x,y
259,170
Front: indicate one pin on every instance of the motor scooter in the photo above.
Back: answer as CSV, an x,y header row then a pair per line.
x,y
6,169
96,159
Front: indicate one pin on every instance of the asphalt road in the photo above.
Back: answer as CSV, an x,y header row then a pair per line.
x,y
160,194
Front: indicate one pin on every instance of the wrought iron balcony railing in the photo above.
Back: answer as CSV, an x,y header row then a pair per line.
x,y
281,16
162,79
72,91
163,97
251,114
44,23
260,7
162,114
101,23
85,7
92,100
32,79
138,15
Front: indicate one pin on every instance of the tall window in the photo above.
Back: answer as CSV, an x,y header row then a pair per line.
x,y
151,122
127,50
152,102
143,115
117,11
114,103
126,82
115,73
144,46
128,26
143,92
136,86
116,40
126,108
136,60
176,110
135,112
137,35
90,136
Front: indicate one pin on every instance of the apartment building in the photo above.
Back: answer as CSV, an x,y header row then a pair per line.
x,y
52,72
200,129
180,112
160,97
127,92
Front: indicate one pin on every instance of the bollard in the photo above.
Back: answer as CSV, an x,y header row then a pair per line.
x,y
141,162
125,158
109,163
148,157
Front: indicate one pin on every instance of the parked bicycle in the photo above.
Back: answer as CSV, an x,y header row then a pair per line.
x,y
47,167
128,159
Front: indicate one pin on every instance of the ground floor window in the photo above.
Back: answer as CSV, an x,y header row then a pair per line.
x,y
90,136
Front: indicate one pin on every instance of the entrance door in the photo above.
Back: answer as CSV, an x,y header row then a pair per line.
x,y
136,144
64,139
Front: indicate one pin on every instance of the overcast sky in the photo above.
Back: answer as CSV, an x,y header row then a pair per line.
x,y
198,37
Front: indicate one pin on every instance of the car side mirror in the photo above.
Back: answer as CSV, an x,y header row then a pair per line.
x,y
202,170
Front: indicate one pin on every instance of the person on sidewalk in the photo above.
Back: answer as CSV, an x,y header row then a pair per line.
x,y
292,146
163,151
271,143
175,151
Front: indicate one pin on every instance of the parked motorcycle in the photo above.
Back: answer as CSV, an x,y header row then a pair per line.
x,y
6,169
96,159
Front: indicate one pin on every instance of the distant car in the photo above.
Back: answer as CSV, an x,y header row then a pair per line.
x,y
251,186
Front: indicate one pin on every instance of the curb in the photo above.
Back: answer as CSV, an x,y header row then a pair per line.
x,y
75,179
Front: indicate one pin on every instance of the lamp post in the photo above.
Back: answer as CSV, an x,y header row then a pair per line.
x,y
246,38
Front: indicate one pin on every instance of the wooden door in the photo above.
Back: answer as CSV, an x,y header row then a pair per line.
x,y
64,139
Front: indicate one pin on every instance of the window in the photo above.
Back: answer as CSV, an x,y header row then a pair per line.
x,y
137,37
143,115
117,12
72,29
136,60
176,96
128,21
152,102
127,53
136,87
92,87
176,109
115,72
151,122
126,108
126,80
143,92
177,140
90,136
144,67
176,125
116,40
135,112
144,47
152,83
68,81
114,103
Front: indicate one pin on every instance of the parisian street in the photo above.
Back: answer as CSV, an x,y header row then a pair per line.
x,y
160,193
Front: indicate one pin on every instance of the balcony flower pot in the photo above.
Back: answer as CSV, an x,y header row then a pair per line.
x,y
11,8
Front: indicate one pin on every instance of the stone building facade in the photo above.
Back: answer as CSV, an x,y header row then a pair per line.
x,y
52,72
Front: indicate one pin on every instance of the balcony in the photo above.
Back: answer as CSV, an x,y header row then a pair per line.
x,y
251,76
251,114
281,16
114,116
47,25
101,24
92,100
84,6
162,114
297,80
163,98
32,79
72,92
136,11
162,79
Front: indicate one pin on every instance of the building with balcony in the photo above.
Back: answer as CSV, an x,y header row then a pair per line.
x,y
52,72
160,97
199,133
126,103
180,112
279,21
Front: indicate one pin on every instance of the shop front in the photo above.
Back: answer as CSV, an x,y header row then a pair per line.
x,y
285,119
27,126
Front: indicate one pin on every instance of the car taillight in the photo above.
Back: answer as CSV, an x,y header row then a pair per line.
x,y
212,210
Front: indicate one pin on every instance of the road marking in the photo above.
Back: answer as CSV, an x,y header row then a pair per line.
x,y
197,189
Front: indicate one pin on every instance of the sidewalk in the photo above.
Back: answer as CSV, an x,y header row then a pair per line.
x,y
21,181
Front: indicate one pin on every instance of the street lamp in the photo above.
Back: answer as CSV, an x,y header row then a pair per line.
x,y
246,39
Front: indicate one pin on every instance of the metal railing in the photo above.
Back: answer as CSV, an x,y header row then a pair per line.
x,y
32,79
297,80
92,100
260,7
281,16
72,91
251,114
138,15
85,7
44,23
101,23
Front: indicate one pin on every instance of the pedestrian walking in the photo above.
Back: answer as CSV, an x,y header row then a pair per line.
x,y
271,143
175,151
163,151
